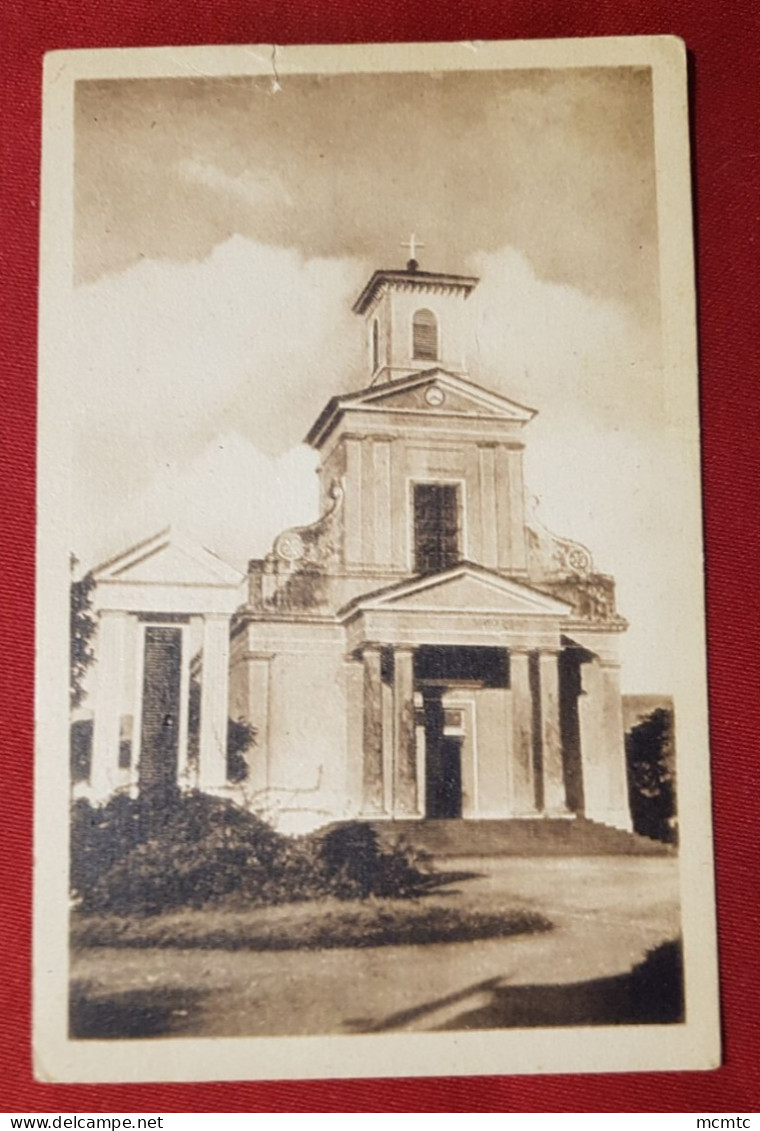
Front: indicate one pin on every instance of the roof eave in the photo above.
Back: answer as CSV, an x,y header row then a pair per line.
x,y
365,299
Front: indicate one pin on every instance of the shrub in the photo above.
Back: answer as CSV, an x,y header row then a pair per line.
x,y
359,867
101,836
131,858
241,736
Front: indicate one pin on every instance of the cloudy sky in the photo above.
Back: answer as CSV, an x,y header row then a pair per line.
x,y
224,227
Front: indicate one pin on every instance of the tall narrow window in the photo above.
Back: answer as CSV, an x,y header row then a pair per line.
x,y
436,527
425,336
375,346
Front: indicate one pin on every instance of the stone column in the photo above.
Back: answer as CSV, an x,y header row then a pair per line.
x,y
523,784
185,777
590,712
555,798
381,455
352,503
503,508
212,759
488,517
518,560
402,549
372,734
368,503
405,791
257,665
618,812
511,508
104,768
600,712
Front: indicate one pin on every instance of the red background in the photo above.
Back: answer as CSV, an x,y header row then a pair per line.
x,y
724,45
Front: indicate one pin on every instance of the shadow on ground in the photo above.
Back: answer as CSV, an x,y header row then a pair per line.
x,y
649,994
436,879
158,1012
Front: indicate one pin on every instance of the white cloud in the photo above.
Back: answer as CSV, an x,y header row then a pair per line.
x,y
196,381
231,497
169,356
161,346
559,348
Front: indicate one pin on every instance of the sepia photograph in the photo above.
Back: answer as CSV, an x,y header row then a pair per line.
x,y
371,701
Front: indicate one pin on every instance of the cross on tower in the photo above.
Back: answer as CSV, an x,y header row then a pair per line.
x,y
412,245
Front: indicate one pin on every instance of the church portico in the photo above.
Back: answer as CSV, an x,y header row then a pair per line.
x,y
164,609
453,698
472,732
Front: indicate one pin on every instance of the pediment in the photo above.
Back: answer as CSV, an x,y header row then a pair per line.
x,y
437,391
168,558
465,588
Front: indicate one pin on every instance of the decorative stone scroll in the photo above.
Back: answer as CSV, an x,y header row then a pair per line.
x,y
317,544
551,556
565,569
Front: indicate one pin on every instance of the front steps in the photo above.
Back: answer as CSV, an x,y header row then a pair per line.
x,y
577,836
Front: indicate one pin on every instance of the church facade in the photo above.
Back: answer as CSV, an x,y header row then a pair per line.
x,y
422,650
425,649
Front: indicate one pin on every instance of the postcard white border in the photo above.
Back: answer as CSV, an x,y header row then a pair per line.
x,y
693,1044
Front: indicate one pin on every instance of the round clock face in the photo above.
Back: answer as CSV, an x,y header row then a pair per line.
x,y
435,396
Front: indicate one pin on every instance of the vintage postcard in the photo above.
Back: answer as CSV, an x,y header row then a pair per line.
x,y
371,712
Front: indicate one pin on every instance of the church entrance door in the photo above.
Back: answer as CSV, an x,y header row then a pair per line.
x,y
450,680
446,800
443,762
159,730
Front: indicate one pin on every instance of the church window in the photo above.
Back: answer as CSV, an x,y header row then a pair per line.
x,y
375,346
425,336
436,527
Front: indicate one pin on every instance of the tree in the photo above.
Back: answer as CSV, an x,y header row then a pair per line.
x,y
82,626
651,758
241,736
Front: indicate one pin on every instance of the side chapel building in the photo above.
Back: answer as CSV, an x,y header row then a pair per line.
x,y
422,650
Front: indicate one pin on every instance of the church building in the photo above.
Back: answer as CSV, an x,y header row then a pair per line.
x,y
425,649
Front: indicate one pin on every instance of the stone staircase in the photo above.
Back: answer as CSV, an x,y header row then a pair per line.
x,y
577,836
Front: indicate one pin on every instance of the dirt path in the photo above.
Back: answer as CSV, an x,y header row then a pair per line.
x,y
608,913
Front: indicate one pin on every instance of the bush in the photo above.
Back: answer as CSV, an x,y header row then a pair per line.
x,y
101,836
651,756
129,858
358,867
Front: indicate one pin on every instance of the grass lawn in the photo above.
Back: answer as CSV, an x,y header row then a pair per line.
x,y
313,925
610,958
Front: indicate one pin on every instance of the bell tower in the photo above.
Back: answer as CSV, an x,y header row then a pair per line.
x,y
415,320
